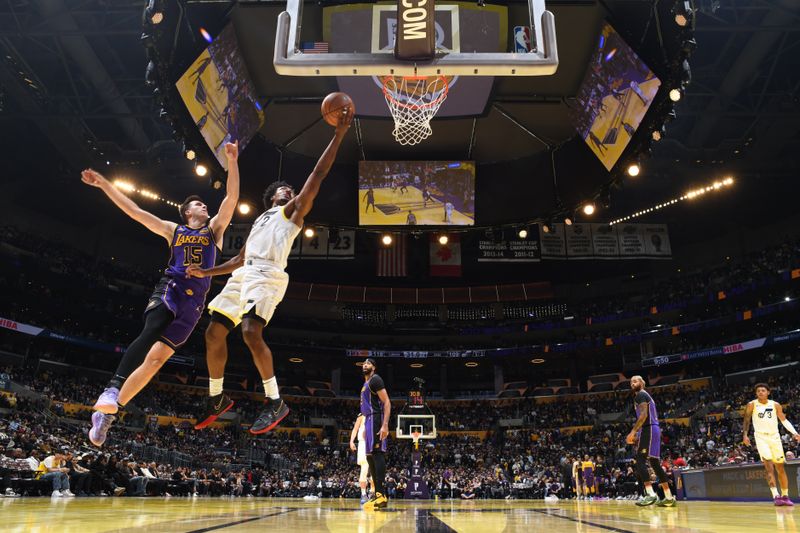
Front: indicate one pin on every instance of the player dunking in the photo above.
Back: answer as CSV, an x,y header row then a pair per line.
x,y
377,409
361,455
648,446
257,287
765,414
177,302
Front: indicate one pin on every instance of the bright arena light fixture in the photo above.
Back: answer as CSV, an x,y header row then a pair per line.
x,y
675,95
523,233
295,359
634,169
386,239
416,365
443,239
309,232
588,209
537,361
471,364
201,170
244,208
190,154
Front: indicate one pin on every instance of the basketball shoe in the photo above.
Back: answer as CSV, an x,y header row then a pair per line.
x,y
100,426
377,502
647,500
107,402
215,406
271,416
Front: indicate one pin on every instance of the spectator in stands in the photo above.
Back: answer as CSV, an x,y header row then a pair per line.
x,y
54,470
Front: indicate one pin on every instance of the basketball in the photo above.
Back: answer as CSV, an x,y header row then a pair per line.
x,y
332,107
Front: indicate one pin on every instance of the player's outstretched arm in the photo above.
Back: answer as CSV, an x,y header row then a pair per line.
x,y
194,271
786,424
165,228
301,204
223,217
748,417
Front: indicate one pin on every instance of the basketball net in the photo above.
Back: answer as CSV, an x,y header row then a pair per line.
x,y
413,102
415,437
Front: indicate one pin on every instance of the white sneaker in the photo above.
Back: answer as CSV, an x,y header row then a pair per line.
x,y
68,493
56,494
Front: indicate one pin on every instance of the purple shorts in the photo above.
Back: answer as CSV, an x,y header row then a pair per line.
x,y
649,441
372,429
185,300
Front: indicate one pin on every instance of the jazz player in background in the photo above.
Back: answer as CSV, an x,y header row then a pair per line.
x,y
765,414
177,302
377,409
257,286
648,446
577,475
361,456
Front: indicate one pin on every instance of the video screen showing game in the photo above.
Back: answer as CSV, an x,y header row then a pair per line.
x,y
220,96
416,193
614,97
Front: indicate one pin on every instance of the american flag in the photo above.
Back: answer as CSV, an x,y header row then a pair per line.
x,y
391,260
314,48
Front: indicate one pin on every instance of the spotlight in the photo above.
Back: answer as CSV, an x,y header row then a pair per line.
x,y
675,95
443,240
634,169
683,13
568,221
154,12
658,133
588,209
787,299
244,208
523,233
727,181
206,35
386,239
190,155
216,184
309,232
200,169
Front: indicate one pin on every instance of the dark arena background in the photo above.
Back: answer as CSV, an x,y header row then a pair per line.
x,y
564,236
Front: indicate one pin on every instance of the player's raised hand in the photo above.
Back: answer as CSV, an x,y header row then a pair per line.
x,y
194,271
345,120
746,440
232,151
93,178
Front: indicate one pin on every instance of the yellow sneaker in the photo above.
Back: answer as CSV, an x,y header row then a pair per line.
x,y
377,501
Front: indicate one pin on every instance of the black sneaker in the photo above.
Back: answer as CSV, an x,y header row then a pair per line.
x,y
271,416
215,406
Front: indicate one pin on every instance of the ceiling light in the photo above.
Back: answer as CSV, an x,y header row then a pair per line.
x,y
206,35
523,233
545,228
568,221
588,209
657,135
295,360
386,239
309,232
537,361
244,208
416,365
675,95
471,364
201,170
634,169
443,240
190,155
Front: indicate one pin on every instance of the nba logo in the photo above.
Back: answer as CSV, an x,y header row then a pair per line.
x,y
522,39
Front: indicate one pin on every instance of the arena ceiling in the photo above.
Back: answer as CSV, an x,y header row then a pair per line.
x,y
72,78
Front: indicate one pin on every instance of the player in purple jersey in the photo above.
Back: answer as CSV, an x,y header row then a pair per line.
x,y
377,409
646,435
178,300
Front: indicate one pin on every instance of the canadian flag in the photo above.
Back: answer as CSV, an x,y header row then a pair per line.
x,y
446,258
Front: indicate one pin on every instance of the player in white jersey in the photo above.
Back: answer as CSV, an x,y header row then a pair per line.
x,y
577,476
765,414
361,456
257,286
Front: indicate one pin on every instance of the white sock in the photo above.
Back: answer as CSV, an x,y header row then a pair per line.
x,y
774,491
363,492
667,493
271,388
650,491
784,492
215,386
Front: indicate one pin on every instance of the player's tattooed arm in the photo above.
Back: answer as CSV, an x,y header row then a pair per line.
x,y
748,416
226,209
642,416
165,228
194,271
301,204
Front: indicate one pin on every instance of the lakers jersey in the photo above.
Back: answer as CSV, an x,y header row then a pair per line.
x,y
765,418
271,237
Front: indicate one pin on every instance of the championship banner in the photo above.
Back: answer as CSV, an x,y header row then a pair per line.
x,y
509,248
631,241
553,244
605,243
579,241
602,241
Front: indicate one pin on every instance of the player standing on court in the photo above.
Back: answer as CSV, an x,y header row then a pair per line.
x,y
377,409
177,302
258,285
648,446
765,414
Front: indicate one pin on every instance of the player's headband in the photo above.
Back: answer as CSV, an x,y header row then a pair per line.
x,y
371,361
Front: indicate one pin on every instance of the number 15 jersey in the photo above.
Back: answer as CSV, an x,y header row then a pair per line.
x,y
271,237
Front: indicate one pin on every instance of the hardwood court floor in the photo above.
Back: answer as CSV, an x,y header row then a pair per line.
x,y
137,515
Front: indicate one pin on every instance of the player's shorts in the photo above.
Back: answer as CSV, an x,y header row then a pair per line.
x,y
372,440
263,287
649,442
588,481
770,447
226,303
361,455
185,300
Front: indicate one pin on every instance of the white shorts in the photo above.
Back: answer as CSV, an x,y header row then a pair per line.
x,y
226,303
770,448
361,457
263,288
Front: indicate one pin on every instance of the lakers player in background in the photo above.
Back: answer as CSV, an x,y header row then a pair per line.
x,y
177,301
257,286
765,414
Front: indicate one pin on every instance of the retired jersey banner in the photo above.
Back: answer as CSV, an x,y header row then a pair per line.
x,y
325,244
507,246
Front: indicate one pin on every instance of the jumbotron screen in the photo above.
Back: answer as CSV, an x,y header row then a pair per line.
x,y
616,93
416,193
220,96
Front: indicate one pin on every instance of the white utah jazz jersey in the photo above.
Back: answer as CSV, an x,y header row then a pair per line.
x,y
765,418
271,237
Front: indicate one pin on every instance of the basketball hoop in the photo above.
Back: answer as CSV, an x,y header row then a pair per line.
x,y
413,102
415,436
